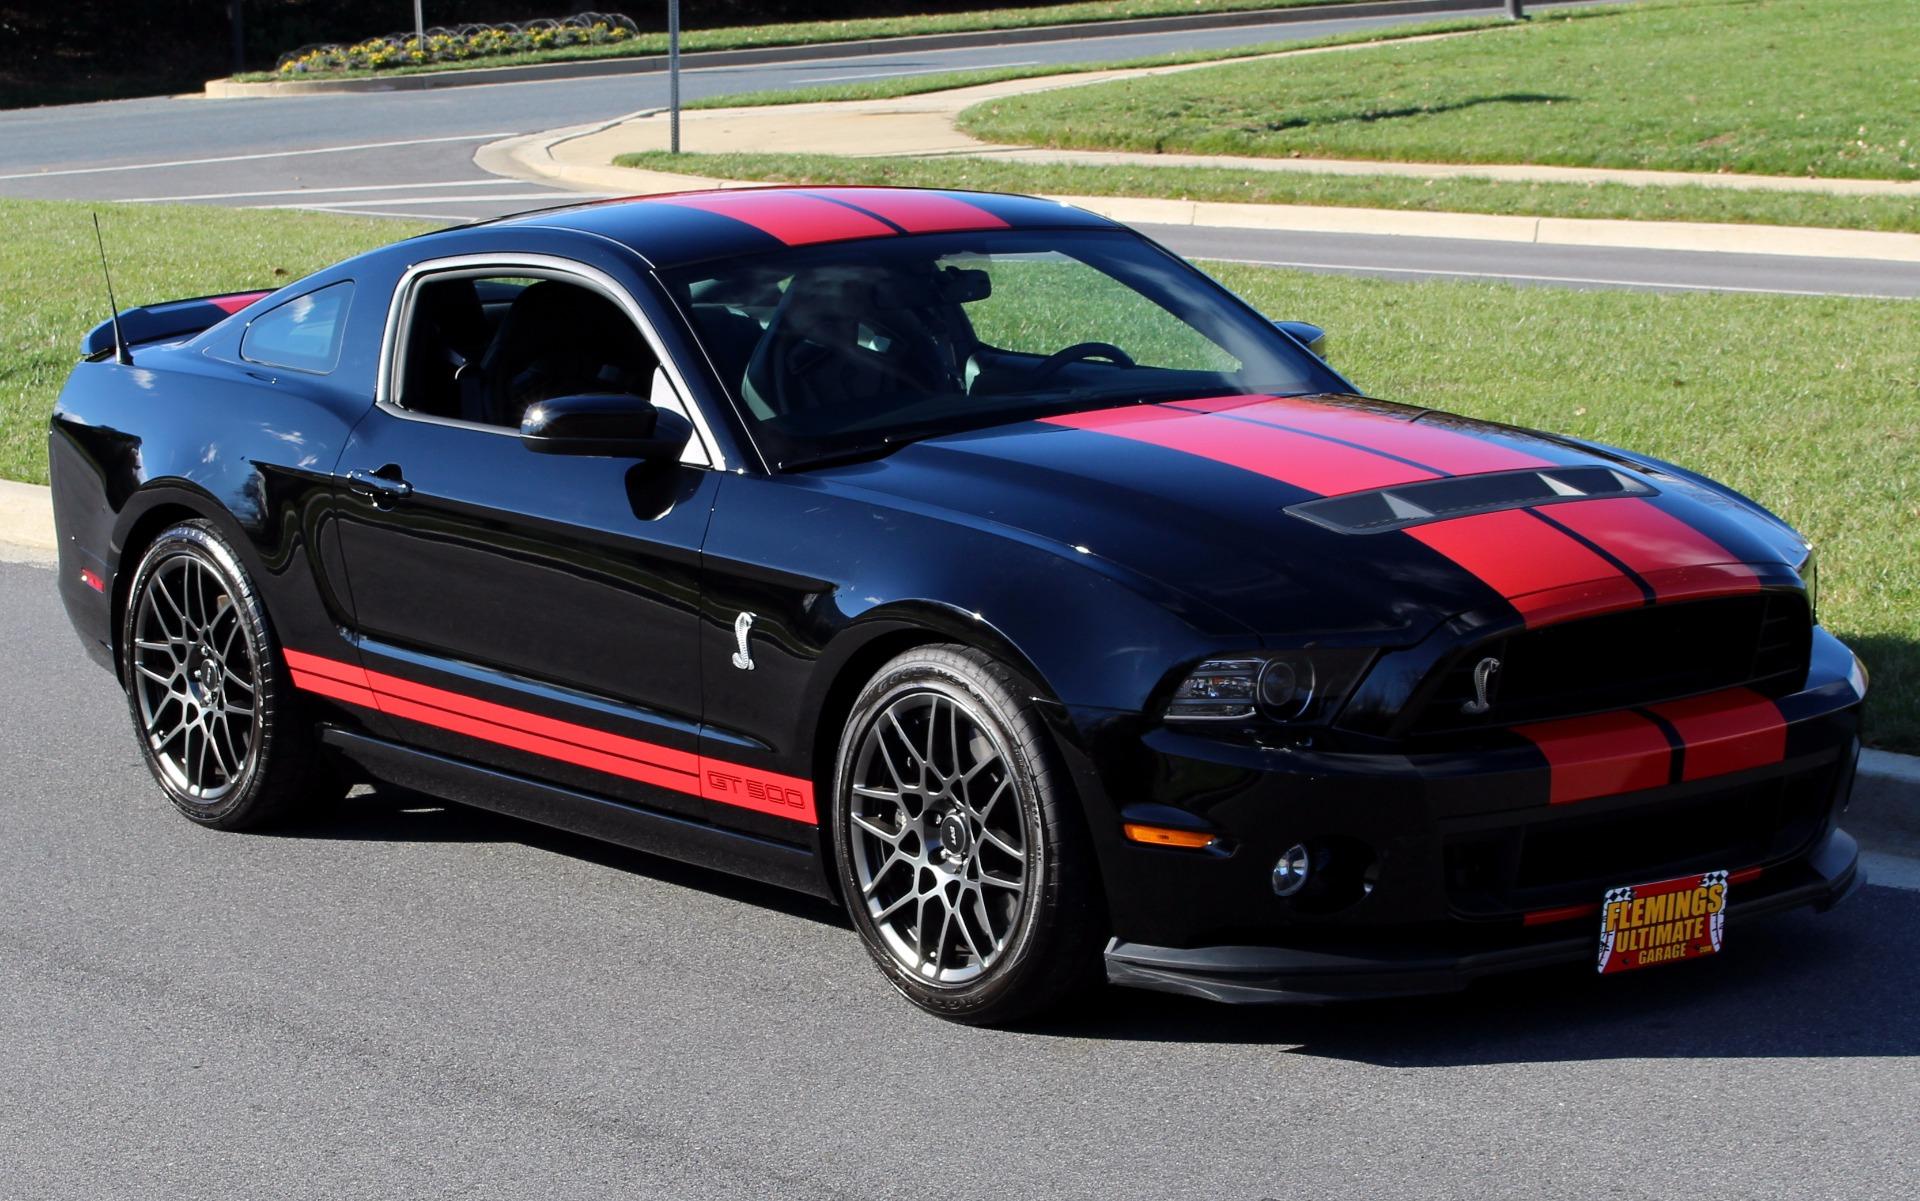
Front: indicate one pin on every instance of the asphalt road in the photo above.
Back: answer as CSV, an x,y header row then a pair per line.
x,y
415,1001
410,154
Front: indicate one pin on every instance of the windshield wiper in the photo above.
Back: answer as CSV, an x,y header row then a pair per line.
x,y
861,453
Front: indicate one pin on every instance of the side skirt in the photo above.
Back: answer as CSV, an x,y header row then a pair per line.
x,y
647,830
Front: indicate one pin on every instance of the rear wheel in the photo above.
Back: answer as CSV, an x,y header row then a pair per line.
x,y
211,704
961,856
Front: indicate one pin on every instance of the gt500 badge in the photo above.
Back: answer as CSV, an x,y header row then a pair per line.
x,y
1645,924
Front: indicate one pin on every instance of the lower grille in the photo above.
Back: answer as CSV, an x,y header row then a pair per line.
x,y
1570,859
1639,657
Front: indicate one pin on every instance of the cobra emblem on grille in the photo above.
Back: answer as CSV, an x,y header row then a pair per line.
x,y
1485,673
743,657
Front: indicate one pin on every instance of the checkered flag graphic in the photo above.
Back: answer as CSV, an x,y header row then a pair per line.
x,y
1606,935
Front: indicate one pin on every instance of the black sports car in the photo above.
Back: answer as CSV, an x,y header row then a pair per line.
x,y
968,558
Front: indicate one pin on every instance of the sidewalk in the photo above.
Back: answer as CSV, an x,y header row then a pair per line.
x,y
581,157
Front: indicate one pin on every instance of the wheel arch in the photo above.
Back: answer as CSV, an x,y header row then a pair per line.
x,y
149,513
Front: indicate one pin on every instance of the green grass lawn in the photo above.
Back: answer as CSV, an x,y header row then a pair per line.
x,y
802,33
1809,404
1775,87
1618,201
54,294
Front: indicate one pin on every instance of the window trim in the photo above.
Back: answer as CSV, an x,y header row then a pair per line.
x,y
538,266
339,334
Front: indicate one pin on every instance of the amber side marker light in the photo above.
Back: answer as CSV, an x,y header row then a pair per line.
x,y
1167,836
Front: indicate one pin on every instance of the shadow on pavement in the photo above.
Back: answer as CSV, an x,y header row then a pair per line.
x,y
1846,983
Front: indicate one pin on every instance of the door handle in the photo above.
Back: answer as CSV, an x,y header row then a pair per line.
x,y
379,487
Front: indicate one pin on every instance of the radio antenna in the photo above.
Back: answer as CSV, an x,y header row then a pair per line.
x,y
120,354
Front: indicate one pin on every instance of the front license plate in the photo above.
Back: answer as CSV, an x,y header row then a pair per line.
x,y
1644,925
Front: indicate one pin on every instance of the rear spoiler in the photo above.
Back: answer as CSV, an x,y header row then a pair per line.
x,y
168,321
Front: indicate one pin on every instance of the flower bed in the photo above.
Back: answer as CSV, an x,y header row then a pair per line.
x,y
458,44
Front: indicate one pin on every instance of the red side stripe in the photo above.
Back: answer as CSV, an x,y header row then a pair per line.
x,y
1601,755
583,746
918,212
1543,573
1565,913
1318,466
1726,732
793,217
1442,449
233,304
1655,544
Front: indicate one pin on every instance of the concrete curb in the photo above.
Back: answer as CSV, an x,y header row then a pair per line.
x,y
1884,814
26,523
543,157
227,89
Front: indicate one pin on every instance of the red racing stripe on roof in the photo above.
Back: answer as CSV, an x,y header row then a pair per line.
x,y
1601,755
1542,572
1675,559
795,218
1725,732
916,212
1305,462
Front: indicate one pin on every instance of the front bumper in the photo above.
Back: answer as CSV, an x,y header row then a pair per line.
x,y
1266,975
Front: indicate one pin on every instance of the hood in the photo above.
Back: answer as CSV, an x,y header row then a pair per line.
x,y
1341,519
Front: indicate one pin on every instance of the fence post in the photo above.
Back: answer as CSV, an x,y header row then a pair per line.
x,y
1516,10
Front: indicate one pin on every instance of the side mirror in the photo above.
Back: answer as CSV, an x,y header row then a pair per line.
x,y
611,424
1310,336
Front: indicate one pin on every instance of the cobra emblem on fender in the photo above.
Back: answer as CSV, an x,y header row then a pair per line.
x,y
742,657
1485,673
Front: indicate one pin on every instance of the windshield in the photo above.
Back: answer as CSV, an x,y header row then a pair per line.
x,y
849,349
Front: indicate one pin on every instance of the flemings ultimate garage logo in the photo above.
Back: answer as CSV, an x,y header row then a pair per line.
x,y
1647,924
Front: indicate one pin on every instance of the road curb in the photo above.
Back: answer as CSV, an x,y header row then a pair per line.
x,y
228,89
1884,813
26,523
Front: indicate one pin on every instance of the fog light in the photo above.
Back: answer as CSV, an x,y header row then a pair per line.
x,y
1290,873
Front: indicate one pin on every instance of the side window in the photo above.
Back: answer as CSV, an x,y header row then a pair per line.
x,y
303,334
483,348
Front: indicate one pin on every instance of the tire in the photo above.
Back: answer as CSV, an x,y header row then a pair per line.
x,y
945,793
213,708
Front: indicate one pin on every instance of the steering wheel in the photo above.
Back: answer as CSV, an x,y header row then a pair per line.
x,y
1051,365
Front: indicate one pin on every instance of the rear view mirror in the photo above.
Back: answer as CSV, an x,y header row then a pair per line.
x,y
610,424
1310,336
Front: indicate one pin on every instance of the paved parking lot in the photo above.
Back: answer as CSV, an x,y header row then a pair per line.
x,y
421,1002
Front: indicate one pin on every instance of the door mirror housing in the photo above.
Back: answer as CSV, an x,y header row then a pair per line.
x,y
1310,336
608,424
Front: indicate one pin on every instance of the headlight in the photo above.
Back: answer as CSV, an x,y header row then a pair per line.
x,y
1289,686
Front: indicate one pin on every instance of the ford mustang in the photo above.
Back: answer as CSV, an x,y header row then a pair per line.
x,y
971,560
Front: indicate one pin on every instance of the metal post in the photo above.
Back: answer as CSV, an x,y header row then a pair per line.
x,y
673,75
420,25
1516,10
239,37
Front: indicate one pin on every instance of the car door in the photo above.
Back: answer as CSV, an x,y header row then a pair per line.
x,y
537,613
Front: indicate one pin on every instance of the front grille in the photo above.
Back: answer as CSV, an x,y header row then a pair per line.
x,y
1571,859
1637,657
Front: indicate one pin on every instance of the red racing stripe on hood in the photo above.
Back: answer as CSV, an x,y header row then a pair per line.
x,y
1541,572
1447,451
795,218
1292,458
1676,560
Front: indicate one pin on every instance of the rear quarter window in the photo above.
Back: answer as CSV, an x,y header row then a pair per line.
x,y
304,334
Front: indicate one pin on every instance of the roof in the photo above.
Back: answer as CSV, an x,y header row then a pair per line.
x,y
688,227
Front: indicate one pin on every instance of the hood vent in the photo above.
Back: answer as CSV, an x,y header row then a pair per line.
x,y
1404,505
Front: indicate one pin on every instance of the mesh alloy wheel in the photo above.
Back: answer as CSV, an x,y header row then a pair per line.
x,y
219,725
195,681
959,846
938,836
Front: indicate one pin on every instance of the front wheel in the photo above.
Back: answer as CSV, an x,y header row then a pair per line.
x,y
961,855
